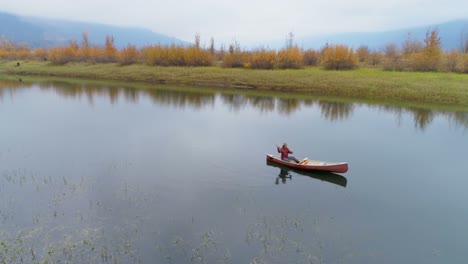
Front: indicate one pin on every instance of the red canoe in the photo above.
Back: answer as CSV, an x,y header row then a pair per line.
x,y
315,165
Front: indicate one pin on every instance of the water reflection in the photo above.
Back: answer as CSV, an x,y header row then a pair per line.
x,y
238,101
335,111
235,100
285,173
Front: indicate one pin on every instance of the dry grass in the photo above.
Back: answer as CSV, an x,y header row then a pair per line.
x,y
373,84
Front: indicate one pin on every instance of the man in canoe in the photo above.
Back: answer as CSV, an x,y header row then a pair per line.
x,y
285,151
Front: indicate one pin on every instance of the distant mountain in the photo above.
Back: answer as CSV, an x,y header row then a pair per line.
x,y
450,35
40,32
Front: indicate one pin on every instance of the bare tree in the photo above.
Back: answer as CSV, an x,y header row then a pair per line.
x,y
212,46
85,40
464,40
392,58
411,46
197,40
290,40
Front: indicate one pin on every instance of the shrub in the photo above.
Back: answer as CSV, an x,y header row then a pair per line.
x,y
40,54
453,61
195,56
175,55
154,55
235,58
363,53
310,57
62,55
262,59
290,58
128,55
375,59
338,57
392,59
464,67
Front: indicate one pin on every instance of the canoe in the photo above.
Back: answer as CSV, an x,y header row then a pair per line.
x,y
311,165
326,176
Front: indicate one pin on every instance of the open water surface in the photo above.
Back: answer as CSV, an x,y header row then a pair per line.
x,y
100,174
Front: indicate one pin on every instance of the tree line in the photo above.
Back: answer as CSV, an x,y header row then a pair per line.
x,y
412,55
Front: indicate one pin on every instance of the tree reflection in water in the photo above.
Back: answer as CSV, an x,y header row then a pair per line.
x,y
335,111
236,101
422,118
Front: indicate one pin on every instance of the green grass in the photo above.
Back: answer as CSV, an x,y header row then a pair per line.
x,y
447,89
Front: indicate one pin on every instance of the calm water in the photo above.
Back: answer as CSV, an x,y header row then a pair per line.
x,y
112,175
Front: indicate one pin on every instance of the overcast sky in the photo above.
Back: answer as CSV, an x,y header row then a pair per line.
x,y
247,21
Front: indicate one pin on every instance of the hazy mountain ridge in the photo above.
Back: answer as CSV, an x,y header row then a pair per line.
x,y
450,34
41,32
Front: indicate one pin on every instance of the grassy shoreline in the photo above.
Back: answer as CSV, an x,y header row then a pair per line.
x,y
447,89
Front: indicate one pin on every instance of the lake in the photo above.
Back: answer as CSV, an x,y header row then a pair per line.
x,y
109,174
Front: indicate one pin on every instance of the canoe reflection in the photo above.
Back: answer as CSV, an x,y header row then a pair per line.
x,y
285,173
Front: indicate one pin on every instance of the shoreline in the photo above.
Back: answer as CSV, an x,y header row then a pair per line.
x,y
442,89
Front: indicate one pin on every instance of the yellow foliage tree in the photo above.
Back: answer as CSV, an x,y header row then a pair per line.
x,y
110,51
432,51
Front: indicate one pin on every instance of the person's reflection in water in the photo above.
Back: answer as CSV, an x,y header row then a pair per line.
x,y
283,175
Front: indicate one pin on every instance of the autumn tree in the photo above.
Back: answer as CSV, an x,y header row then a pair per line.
x,y
110,51
432,52
128,55
7,49
363,53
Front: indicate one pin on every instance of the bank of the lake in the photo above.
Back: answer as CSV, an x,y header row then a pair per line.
x,y
372,84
